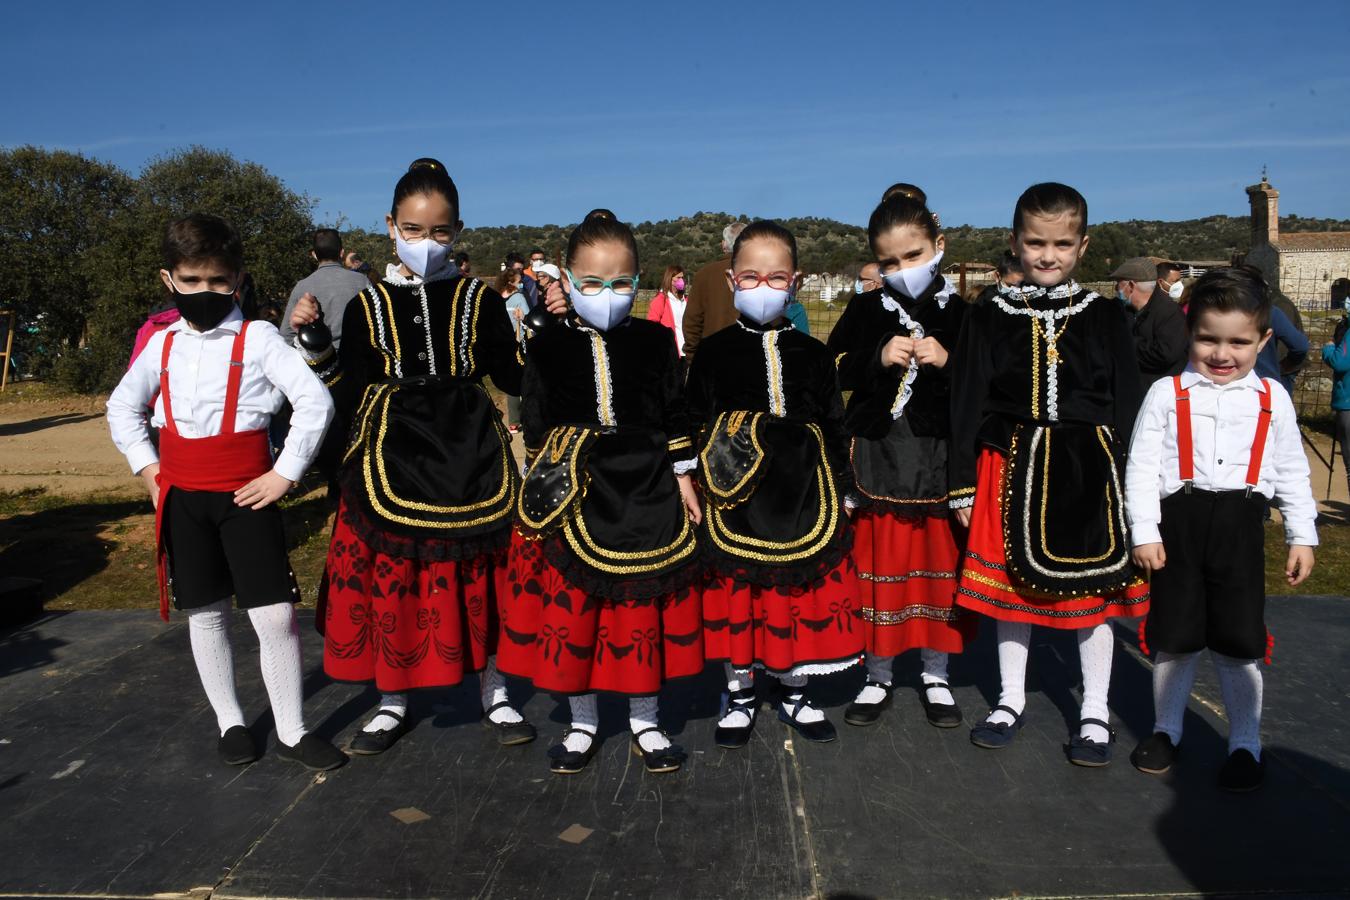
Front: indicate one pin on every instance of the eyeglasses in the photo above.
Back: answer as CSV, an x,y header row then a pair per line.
x,y
748,281
441,234
590,285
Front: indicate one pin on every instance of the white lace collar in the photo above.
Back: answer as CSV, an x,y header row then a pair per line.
x,y
943,296
1026,292
394,276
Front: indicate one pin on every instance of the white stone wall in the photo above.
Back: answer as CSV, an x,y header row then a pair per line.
x,y
1306,277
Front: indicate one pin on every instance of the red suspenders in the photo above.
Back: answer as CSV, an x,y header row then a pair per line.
x,y
232,382
1186,447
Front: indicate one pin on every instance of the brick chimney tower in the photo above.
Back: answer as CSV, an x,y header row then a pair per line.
x,y
1265,202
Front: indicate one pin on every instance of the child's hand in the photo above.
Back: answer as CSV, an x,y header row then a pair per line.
x,y
1149,557
1299,565
306,311
930,353
897,351
555,301
963,515
150,474
690,497
266,488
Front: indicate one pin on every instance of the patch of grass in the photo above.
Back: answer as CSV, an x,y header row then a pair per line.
x,y
1330,574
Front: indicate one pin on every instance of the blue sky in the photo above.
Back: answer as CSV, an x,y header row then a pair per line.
x,y
541,112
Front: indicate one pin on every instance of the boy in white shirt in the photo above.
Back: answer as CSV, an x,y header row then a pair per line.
x,y
1211,448
214,381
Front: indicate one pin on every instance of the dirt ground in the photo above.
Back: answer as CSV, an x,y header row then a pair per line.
x,y
57,443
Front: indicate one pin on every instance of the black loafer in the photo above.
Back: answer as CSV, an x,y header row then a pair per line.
x,y
236,747
864,714
569,762
1155,755
1242,772
667,759
373,743
734,738
1089,753
996,735
509,734
939,715
314,753
821,732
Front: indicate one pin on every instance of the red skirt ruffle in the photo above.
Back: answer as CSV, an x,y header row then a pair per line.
x,y
984,585
782,628
907,584
406,623
570,642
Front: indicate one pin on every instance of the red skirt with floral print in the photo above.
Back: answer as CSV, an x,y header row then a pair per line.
x,y
782,628
984,585
907,584
406,623
570,642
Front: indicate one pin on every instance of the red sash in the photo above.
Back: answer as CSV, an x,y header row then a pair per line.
x,y
1186,447
223,462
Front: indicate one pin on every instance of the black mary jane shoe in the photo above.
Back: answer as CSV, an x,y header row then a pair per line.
x,y
667,759
732,737
373,743
314,753
236,747
864,714
939,715
1089,753
821,732
509,734
996,735
570,762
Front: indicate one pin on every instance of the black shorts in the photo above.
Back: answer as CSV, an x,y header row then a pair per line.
x,y
1212,590
218,550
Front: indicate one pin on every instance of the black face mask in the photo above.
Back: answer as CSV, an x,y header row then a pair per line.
x,y
204,310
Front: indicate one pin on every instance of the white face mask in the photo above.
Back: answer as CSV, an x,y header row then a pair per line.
x,y
761,304
604,310
1176,290
911,282
424,258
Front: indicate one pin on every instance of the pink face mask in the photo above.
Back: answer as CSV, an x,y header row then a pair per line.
x,y
678,284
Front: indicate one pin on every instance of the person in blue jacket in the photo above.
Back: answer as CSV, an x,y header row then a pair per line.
x,y
1268,362
1336,353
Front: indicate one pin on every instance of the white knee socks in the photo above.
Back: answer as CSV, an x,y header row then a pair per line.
x,y
493,684
394,703
282,668
1096,646
935,672
1014,644
794,686
1240,683
209,631
1173,676
585,717
642,713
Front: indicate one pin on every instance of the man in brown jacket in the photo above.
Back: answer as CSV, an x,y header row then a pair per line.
x,y
710,307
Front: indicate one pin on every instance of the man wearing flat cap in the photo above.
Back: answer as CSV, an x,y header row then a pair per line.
x,y
1159,327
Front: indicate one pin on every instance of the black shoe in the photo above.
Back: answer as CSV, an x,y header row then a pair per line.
x,y
864,714
373,743
1155,754
509,734
570,762
940,715
1090,753
733,738
1242,772
667,759
313,753
996,735
821,732
236,747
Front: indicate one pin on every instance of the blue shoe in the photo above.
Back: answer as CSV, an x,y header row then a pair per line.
x,y
1092,754
996,735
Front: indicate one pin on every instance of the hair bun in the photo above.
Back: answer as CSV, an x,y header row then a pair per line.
x,y
904,189
598,215
426,162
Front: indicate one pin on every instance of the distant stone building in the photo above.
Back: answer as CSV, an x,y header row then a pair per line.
x,y
1302,265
